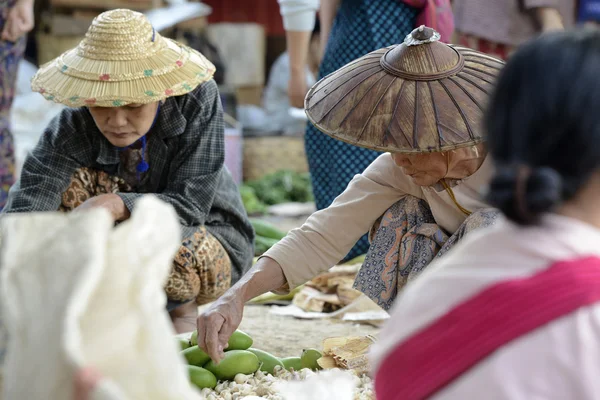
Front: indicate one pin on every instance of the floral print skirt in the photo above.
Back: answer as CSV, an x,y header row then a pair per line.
x,y
404,241
201,268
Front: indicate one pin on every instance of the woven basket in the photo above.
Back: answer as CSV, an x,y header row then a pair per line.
x,y
268,154
51,46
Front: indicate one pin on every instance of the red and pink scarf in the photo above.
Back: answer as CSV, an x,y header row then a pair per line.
x,y
436,14
427,362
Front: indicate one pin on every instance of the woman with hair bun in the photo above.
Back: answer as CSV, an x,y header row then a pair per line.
x,y
513,311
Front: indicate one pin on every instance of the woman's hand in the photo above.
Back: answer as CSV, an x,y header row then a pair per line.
x,y
297,88
19,22
113,203
218,322
222,318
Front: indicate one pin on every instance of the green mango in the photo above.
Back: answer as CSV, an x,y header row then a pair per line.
x,y
309,359
290,363
235,362
194,338
195,356
201,377
267,360
184,343
239,341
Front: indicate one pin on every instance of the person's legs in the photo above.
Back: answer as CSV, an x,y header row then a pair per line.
x,y
201,268
479,219
201,273
403,243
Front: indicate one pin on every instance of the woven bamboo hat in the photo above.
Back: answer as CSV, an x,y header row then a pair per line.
x,y
416,97
122,60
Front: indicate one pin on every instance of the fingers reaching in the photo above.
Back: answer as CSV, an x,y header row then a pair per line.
x,y
209,326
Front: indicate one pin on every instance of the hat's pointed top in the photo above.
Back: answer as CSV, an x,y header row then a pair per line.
x,y
422,57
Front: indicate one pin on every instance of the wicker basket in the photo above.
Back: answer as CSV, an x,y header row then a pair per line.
x,y
51,46
268,154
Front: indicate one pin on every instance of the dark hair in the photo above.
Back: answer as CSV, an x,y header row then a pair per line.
x,y
543,123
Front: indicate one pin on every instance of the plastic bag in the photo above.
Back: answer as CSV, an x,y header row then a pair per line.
x,y
79,293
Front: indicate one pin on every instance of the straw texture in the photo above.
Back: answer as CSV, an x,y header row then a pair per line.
x,y
417,97
122,60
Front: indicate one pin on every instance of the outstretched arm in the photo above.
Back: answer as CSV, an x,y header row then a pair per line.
x,y
323,240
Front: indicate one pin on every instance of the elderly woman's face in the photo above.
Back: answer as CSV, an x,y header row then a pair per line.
x,y
123,126
424,169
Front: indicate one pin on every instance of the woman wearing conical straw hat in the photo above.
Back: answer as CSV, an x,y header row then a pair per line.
x,y
144,117
515,313
421,102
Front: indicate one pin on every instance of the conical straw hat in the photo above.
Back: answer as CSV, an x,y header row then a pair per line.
x,y
122,60
416,97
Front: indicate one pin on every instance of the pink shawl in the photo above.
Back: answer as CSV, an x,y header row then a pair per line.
x,y
436,14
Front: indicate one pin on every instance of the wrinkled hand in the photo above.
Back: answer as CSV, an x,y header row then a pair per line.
x,y
218,322
113,203
297,89
19,22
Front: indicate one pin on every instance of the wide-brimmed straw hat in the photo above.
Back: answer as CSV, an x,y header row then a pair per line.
x,y
416,97
122,60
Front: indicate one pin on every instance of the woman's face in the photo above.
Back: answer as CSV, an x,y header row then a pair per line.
x,y
424,169
122,126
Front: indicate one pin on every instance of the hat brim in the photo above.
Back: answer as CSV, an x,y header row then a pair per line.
x,y
76,81
364,105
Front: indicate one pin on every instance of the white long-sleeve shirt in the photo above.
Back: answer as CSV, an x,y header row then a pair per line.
x,y
328,235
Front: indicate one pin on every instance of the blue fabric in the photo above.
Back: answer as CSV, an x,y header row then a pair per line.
x,y
361,26
589,10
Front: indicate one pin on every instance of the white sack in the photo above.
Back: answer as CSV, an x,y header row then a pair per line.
x,y
77,292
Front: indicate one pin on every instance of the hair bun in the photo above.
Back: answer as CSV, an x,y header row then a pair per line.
x,y
524,194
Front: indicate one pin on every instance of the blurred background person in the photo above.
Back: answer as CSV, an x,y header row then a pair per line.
x,y
498,27
276,97
16,20
274,115
349,30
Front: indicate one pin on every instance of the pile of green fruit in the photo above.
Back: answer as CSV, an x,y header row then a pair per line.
x,y
240,358
280,187
251,202
267,236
